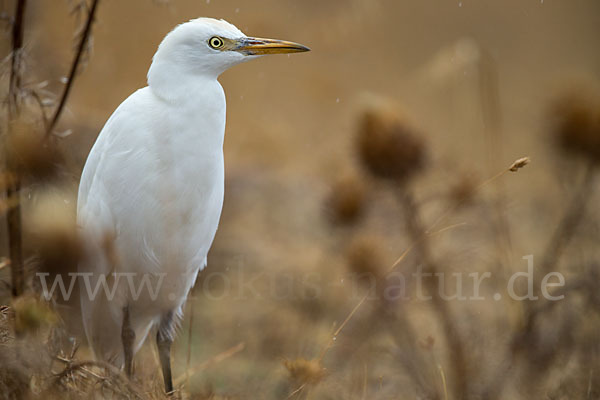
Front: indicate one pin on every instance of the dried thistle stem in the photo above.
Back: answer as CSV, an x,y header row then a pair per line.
x,y
569,222
13,214
454,342
558,242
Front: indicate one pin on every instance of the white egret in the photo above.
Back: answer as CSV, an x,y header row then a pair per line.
x,y
151,191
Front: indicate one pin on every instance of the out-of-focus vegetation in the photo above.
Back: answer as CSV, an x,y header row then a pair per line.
x,y
394,147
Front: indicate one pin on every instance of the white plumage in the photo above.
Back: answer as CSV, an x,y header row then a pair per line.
x,y
151,191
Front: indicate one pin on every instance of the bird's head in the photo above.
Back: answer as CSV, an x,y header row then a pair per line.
x,y
206,47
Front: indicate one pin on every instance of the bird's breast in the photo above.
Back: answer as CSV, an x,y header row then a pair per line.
x,y
190,194
188,186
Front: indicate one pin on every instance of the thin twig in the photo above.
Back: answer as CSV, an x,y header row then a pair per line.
x,y
74,66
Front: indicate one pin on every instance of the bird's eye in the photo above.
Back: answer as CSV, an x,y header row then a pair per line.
x,y
216,42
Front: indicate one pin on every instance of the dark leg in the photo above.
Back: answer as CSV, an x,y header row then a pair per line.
x,y
163,342
127,337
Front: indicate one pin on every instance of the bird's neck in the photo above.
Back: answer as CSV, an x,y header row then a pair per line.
x,y
173,82
196,114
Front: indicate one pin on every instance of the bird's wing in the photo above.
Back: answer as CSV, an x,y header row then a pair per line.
x,y
101,179
102,188
89,198
89,170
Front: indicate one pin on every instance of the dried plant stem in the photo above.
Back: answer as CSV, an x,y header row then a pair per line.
x,y
15,246
570,221
557,244
13,214
411,359
17,47
559,241
74,66
454,342
568,224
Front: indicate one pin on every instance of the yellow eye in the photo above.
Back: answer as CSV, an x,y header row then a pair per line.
x,y
216,42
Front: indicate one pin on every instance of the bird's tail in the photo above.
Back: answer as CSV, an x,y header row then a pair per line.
x,y
102,328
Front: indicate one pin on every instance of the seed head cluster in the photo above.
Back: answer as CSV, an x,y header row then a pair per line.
x,y
389,147
577,126
346,201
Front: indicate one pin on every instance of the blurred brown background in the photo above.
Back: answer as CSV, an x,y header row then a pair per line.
x,y
290,139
